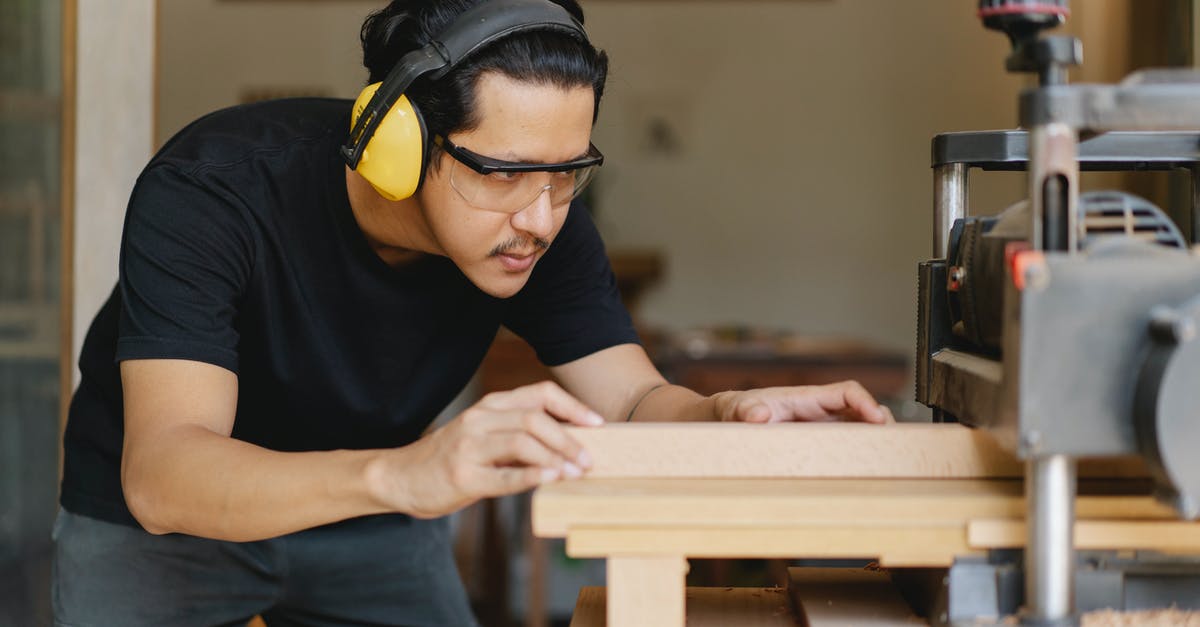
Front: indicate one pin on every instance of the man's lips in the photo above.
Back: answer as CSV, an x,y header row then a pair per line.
x,y
517,262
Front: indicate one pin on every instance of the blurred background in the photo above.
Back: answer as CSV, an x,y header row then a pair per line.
x,y
765,198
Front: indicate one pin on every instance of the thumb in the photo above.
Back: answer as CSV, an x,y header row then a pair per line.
x,y
753,412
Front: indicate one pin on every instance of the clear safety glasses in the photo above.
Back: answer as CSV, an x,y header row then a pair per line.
x,y
508,187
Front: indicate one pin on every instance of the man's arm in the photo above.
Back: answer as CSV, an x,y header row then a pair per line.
x,y
182,472
622,384
621,379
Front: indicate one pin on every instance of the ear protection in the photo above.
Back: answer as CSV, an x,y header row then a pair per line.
x,y
388,145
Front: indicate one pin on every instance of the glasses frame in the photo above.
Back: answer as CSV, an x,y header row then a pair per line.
x,y
487,165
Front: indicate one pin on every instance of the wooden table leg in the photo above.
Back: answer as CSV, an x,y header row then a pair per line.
x,y
646,591
536,614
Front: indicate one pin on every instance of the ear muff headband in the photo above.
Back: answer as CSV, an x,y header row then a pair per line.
x,y
387,143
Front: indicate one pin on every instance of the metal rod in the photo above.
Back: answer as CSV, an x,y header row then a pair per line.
x,y
1054,213
1050,547
1054,158
949,203
1195,215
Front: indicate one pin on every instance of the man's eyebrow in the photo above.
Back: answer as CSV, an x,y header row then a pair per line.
x,y
514,158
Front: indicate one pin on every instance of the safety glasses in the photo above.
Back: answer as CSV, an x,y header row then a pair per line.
x,y
508,187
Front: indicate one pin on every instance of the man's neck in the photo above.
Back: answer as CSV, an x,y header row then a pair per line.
x,y
395,230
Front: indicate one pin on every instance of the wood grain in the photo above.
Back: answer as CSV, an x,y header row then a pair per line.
x,y
830,449
1170,536
706,607
846,597
646,591
559,507
890,545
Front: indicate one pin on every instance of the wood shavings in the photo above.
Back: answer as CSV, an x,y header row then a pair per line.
x,y
1171,617
1148,618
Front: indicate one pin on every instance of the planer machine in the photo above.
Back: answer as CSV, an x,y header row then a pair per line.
x,y
1068,325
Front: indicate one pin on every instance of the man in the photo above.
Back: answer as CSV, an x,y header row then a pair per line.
x,y
247,437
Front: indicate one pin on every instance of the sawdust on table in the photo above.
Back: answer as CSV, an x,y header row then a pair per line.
x,y
1172,617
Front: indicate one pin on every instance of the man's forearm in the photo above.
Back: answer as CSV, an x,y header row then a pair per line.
x,y
673,403
198,482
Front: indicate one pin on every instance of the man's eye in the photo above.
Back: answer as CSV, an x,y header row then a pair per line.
x,y
505,177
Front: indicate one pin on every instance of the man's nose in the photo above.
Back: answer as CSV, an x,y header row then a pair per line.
x,y
537,217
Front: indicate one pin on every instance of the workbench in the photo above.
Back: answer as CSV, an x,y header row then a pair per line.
x,y
919,496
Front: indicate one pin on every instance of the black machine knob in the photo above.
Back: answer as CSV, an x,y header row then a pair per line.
x,y
1022,19
1167,405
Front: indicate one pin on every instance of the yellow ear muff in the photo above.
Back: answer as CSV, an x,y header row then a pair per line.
x,y
392,160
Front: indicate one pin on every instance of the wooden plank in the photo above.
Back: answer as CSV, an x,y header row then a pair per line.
x,y
793,450
891,545
706,607
557,507
846,597
746,607
646,591
1171,536
536,614
797,450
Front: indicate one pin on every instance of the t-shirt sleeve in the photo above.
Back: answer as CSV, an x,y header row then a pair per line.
x,y
186,258
571,308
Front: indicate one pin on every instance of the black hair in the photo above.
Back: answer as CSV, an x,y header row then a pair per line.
x,y
448,104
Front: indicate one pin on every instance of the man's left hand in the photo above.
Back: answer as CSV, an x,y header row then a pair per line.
x,y
846,401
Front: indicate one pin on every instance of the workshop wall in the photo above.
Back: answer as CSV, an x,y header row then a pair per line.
x,y
797,191
776,153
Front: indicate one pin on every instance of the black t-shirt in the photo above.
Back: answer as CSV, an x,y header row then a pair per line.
x,y
240,250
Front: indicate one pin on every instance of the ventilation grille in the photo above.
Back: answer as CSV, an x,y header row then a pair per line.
x,y
1108,214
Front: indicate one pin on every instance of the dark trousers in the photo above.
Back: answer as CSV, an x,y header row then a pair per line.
x,y
382,570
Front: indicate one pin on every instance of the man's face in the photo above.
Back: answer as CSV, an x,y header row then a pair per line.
x,y
520,122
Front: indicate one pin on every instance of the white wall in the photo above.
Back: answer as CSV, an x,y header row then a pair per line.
x,y
799,194
114,136
210,51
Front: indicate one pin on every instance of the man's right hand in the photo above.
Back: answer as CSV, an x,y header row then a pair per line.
x,y
506,443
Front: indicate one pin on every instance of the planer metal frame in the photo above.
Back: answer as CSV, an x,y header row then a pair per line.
x,y
1070,377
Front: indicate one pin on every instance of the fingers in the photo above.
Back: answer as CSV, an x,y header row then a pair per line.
x,y
547,396
495,444
506,443
520,470
514,460
742,406
859,403
509,448
546,430
505,481
846,400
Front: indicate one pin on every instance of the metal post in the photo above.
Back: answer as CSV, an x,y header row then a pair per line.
x,y
1195,215
1054,187
949,203
1050,547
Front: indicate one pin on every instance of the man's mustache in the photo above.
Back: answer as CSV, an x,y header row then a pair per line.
x,y
518,243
